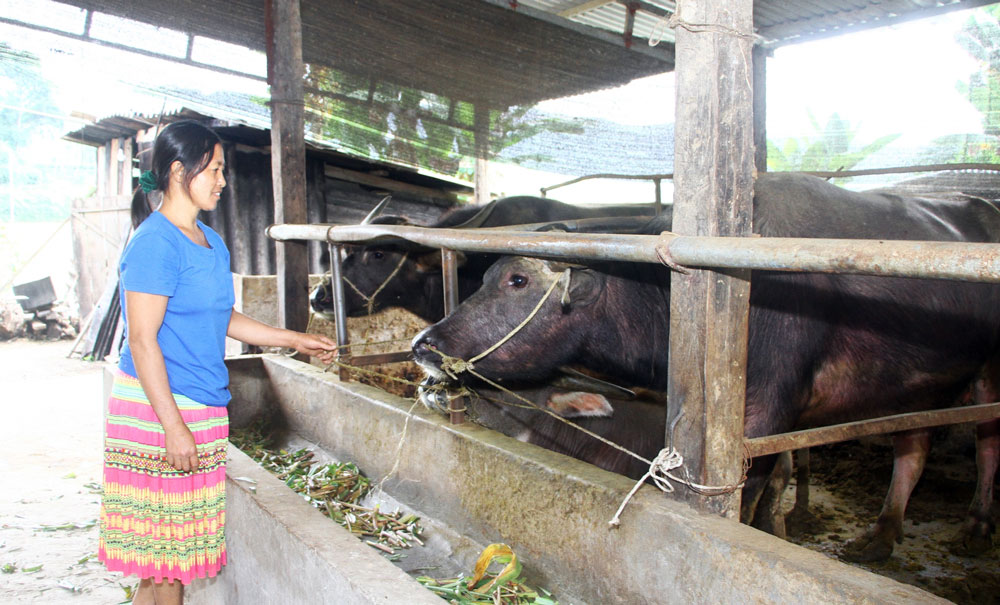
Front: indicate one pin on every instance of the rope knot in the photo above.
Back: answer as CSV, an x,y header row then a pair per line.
x,y
659,469
453,365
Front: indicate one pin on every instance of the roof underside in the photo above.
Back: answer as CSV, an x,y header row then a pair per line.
x,y
238,132
501,52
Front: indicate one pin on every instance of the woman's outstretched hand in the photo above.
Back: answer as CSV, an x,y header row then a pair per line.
x,y
316,345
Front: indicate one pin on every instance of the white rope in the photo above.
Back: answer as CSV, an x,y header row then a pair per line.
x,y
454,365
659,472
659,468
674,21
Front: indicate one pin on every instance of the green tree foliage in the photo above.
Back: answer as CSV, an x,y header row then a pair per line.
x,y
830,148
46,173
399,124
25,96
980,37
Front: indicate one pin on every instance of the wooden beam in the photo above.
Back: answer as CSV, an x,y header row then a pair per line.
x,y
582,7
363,178
823,435
760,108
712,196
288,157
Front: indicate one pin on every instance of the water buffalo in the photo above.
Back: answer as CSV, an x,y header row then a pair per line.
x,y
823,348
639,423
400,275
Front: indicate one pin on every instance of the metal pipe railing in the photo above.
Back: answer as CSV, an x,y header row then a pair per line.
x,y
897,258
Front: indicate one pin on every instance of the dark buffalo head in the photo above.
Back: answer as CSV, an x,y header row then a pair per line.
x,y
511,289
383,275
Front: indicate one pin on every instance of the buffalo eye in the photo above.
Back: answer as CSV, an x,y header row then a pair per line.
x,y
517,281
377,255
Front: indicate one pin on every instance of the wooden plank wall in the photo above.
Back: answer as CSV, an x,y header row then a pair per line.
x,y
100,222
247,208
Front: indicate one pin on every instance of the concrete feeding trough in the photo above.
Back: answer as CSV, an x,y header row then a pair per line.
x,y
472,487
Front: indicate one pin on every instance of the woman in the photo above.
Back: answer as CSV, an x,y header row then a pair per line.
x,y
163,511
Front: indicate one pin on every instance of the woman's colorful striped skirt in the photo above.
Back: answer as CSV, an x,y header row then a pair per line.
x,y
158,522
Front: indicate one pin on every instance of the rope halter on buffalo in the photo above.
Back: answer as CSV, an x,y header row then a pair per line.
x,y
370,300
660,467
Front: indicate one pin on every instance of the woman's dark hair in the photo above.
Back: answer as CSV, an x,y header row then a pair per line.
x,y
187,142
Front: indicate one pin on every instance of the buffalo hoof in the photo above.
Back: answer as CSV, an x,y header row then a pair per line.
x,y
869,548
802,521
974,541
772,523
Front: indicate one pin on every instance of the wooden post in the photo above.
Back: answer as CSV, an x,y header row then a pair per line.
x,y
760,108
235,210
316,209
288,157
481,132
712,196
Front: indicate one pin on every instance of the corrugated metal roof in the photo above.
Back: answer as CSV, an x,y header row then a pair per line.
x,y
498,53
782,22
501,52
778,22
465,50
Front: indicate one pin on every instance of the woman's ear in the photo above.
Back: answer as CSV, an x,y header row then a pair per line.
x,y
177,171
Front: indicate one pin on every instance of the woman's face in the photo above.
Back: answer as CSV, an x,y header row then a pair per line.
x,y
206,188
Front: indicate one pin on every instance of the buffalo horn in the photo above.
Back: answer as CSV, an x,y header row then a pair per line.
x,y
377,209
479,218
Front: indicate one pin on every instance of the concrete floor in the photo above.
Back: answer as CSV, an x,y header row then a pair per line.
x,y
50,469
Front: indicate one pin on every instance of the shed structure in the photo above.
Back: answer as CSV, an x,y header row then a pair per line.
x,y
491,54
341,189
497,53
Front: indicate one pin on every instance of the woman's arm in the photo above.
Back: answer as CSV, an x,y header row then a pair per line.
x,y
145,316
251,331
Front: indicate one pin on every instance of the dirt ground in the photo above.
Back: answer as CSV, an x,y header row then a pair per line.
x,y
847,486
50,462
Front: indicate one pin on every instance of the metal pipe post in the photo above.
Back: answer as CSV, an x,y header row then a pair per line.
x,y
339,307
449,272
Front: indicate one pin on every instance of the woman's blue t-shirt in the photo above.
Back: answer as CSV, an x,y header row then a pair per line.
x,y
160,259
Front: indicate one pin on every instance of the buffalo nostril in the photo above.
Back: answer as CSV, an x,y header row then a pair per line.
x,y
422,347
423,344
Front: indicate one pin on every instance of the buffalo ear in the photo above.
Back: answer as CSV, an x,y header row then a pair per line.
x,y
429,262
577,404
580,287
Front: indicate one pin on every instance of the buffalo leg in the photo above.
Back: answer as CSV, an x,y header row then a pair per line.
x,y
801,520
757,480
910,453
977,535
767,515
